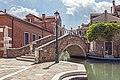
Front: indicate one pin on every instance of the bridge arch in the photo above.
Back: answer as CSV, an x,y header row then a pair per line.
x,y
75,50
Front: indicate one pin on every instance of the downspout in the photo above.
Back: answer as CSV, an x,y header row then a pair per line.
x,y
12,31
42,33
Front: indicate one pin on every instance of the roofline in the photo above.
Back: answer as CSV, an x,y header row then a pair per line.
x,y
26,22
32,15
51,17
95,13
108,14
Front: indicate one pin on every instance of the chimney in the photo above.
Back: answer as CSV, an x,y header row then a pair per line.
x,y
43,19
111,10
5,10
56,13
114,9
105,11
105,15
43,16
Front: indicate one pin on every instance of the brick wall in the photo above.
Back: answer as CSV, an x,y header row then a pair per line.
x,y
3,19
115,47
19,27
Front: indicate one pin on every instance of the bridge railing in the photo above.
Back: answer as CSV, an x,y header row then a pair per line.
x,y
46,52
14,52
39,51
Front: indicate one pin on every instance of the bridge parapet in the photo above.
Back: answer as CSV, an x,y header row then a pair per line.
x,y
46,52
14,52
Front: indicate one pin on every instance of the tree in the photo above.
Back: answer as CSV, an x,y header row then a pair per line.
x,y
104,30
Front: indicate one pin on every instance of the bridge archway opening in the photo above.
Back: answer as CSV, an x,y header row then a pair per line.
x,y
72,51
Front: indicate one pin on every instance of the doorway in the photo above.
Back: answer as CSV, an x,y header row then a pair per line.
x,y
108,48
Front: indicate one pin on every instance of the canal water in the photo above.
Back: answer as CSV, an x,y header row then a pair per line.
x,y
101,70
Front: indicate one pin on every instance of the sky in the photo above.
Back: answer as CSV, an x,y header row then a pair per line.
x,y
73,12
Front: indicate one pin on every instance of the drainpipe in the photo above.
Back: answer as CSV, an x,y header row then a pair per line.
x,y
12,31
42,33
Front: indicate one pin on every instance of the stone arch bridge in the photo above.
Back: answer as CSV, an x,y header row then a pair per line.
x,y
47,51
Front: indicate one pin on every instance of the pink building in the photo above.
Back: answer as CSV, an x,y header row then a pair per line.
x,y
16,32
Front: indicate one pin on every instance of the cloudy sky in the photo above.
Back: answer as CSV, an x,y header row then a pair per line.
x,y
73,12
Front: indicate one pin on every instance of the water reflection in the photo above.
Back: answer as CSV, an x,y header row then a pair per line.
x,y
102,70
64,56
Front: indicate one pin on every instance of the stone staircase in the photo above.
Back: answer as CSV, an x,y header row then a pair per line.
x,y
27,57
30,57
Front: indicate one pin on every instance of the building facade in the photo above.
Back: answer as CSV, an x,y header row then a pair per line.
x,y
47,22
102,47
81,31
16,32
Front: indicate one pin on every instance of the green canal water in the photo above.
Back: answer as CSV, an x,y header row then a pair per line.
x,y
102,70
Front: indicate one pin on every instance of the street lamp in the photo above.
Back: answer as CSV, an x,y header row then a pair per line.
x,y
57,55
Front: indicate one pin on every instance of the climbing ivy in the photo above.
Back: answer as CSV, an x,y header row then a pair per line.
x,y
101,29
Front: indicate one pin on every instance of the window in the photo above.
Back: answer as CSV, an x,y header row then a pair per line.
x,y
1,29
97,22
60,33
108,47
30,20
65,31
39,37
118,13
80,32
113,21
26,38
33,37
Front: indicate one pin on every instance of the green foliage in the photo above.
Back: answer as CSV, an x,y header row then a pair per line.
x,y
104,30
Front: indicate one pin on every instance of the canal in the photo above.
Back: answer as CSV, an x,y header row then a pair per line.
x,y
101,70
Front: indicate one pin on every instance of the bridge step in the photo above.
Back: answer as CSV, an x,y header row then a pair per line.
x,y
28,57
33,55
25,59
